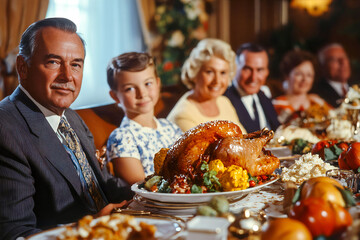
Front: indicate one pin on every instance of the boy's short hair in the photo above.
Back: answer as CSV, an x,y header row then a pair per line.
x,y
131,62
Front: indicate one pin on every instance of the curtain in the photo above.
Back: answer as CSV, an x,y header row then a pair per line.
x,y
146,10
109,29
15,17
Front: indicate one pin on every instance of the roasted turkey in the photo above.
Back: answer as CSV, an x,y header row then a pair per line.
x,y
219,140
248,152
195,143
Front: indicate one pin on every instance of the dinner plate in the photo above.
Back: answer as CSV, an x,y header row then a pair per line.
x,y
166,205
280,152
290,158
178,209
174,205
196,197
166,227
283,153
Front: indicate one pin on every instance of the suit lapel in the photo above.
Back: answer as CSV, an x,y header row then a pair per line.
x,y
48,145
241,110
331,94
327,92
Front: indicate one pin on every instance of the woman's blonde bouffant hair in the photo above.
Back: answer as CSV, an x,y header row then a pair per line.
x,y
202,53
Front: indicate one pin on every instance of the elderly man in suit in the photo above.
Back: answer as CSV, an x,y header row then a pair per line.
x,y
49,174
247,92
336,72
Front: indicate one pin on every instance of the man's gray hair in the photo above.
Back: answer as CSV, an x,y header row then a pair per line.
x,y
28,38
322,52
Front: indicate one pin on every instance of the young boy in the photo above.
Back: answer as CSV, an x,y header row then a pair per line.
x,y
135,86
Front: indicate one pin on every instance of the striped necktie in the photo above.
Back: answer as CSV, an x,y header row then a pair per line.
x,y
73,143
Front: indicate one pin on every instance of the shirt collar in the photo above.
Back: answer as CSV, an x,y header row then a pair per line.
x,y
52,118
338,86
134,124
336,83
248,103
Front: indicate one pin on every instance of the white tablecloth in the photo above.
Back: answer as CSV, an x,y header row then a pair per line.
x,y
270,198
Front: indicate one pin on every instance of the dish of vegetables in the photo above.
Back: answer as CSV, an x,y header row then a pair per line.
x,y
196,197
233,183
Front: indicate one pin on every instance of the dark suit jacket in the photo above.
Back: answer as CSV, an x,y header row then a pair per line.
x,y
39,186
327,92
244,117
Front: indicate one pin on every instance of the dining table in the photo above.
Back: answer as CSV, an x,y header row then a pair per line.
x,y
268,200
271,200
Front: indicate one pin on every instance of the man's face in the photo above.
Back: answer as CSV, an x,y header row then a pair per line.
x,y
337,65
252,71
54,73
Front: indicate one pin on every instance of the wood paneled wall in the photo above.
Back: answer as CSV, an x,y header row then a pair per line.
x,y
249,19
240,21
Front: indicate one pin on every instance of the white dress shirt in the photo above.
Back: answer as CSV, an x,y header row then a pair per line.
x,y
52,118
248,103
338,87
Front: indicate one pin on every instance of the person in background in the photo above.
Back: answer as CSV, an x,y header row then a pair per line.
x,y
49,174
336,71
297,68
207,73
248,93
131,147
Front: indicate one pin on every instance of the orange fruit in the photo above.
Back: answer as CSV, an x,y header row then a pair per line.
x,y
342,161
308,184
352,156
285,229
343,218
325,188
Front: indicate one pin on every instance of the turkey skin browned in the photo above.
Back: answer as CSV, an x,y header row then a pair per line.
x,y
219,140
248,152
194,144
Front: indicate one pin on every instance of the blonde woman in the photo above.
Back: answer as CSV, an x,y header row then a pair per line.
x,y
207,73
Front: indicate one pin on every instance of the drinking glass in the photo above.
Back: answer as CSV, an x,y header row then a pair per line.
x,y
353,117
347,178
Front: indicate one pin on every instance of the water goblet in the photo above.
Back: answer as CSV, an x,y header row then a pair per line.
x,y
347,178
353,117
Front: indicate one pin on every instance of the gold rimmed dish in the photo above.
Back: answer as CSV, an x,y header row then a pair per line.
x,y
280,151
174,206
197,197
